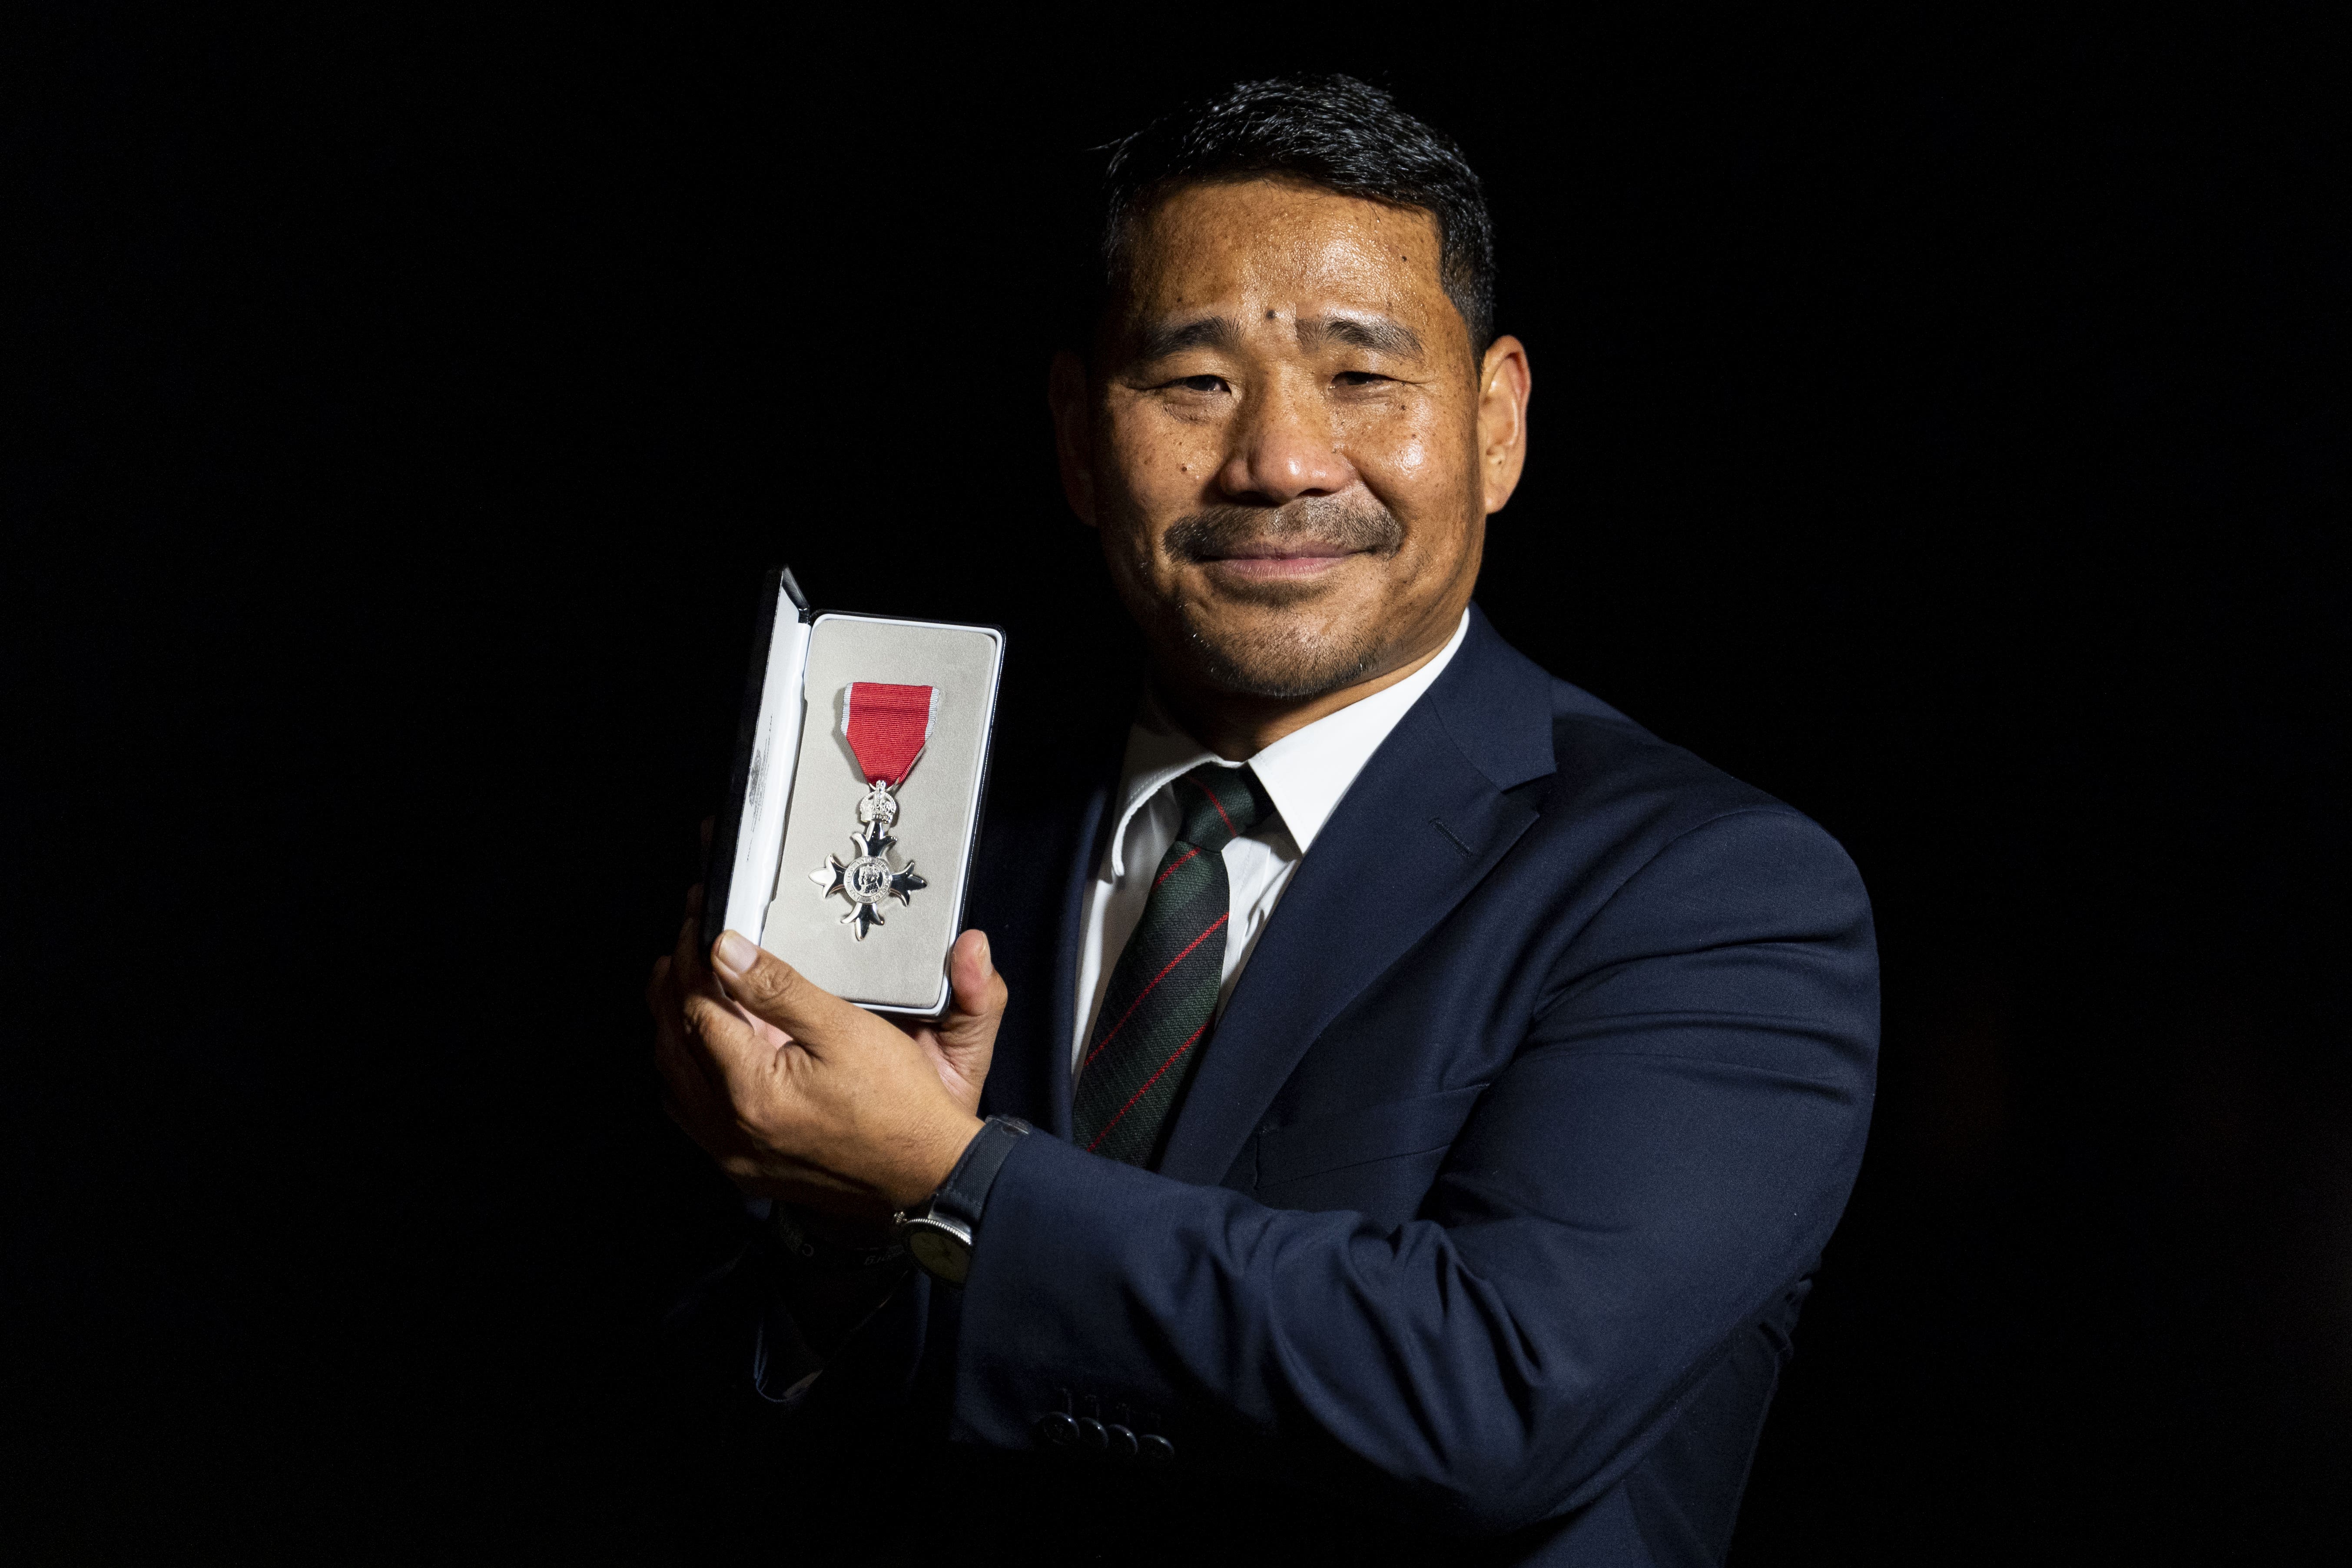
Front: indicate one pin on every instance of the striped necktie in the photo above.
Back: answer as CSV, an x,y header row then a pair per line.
x,y
1147,1038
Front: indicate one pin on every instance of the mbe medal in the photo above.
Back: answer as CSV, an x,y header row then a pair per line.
x,y
887,728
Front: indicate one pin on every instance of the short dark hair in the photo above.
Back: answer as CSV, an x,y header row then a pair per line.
x,y
1329,130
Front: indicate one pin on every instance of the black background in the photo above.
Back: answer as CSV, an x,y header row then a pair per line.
x,y
1945,431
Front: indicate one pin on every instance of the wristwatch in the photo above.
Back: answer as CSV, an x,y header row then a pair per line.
x,y
938,1232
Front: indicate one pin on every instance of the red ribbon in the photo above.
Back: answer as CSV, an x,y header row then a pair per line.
x,y
887,727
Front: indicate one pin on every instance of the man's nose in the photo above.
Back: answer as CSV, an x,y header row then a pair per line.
x,y
1283,448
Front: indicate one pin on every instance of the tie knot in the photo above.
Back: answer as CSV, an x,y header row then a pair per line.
x,y
1219,804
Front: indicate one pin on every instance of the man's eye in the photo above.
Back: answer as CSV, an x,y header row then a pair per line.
x,y
1200,382
1358,378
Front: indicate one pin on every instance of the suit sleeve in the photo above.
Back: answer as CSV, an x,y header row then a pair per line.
x,y
1669,1148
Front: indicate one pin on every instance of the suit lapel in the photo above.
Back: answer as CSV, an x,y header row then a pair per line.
x,y
1051,1072
1041,852
1422,824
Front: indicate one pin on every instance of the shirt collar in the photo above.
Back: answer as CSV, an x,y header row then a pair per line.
x,y
1305,773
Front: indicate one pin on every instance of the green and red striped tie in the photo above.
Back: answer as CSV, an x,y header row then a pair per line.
x,y
1155,1017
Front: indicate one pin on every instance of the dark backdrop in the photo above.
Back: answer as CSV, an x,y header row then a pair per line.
x,y
1941,432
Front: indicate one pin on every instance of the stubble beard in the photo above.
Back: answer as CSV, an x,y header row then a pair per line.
x,y
1304,653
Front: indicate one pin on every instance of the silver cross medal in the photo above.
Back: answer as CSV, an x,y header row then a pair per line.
x,y
866,878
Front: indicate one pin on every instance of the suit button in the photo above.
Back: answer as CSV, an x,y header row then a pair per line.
x,y
1120,1440
1156,1448
1058,1428
1091,1433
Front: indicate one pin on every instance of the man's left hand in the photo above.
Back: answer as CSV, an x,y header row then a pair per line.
x,y
802,1096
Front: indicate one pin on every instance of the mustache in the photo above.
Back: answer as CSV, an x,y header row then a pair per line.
x,y
1348,526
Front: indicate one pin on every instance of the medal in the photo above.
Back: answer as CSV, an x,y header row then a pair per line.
x,y
887,728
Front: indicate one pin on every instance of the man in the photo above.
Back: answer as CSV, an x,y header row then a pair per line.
x,y
1415,1098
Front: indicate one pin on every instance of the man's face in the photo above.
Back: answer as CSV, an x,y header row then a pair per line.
x,y
1288,445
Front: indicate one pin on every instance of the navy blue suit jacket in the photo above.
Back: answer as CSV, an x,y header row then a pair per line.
x,y
1490,1206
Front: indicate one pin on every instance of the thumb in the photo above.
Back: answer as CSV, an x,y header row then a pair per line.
x,y
978,994
768,988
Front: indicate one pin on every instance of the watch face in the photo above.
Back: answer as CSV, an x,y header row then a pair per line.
x,y
938,1252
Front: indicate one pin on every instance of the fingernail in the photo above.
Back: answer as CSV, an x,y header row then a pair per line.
x,y
737,954
987,959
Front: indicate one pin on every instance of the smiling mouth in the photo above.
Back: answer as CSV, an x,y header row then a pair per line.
x,y
1272,562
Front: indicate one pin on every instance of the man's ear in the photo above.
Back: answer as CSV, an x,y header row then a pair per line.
x,y
1504,385
1066,398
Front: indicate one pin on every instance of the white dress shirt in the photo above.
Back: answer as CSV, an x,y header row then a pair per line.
x,y
1304,773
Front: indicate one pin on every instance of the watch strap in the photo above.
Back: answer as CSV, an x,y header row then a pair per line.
x,y
964,1193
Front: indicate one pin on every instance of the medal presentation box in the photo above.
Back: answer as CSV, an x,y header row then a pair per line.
x,y
858,776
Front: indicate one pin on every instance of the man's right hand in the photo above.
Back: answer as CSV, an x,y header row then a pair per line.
x,y
802,1096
